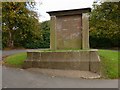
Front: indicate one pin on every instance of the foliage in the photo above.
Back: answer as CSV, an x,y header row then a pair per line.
x,y
21,28
19,24
45,29
109,63
43,41
104,28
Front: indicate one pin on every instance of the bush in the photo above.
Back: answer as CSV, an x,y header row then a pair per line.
x,y
100,42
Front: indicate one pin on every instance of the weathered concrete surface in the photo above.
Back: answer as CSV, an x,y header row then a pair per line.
x,y
17,78
85,31
68,32
66,73
52,33
95,62
58,65
84,60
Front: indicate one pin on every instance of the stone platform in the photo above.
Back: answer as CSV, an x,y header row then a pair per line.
x,y
83,60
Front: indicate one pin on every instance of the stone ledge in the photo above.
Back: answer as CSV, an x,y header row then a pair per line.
x,y
48,50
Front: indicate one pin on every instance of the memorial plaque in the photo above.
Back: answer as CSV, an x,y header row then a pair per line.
x,y
68,32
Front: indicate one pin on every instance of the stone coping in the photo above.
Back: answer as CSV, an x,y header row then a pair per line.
x,y
69,12
48,50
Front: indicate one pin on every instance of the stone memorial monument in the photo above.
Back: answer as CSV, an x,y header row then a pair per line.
x,y
69,44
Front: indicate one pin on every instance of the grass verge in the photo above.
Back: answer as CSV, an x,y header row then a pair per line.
x,y
16,60
109,63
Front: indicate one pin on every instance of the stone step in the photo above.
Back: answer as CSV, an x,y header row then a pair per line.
x,y
83,60
66,73
66,65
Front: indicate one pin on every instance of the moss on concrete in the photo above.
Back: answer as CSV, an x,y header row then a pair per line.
x,y
66,50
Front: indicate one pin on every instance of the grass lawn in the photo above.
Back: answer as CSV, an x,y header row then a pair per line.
x,y
109,62
16,60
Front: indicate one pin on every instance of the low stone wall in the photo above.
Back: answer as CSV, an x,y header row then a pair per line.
x,y
84,60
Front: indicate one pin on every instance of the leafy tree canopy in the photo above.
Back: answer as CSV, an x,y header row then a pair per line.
x,y
104,24
19,23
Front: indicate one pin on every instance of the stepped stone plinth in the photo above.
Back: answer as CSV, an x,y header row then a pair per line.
x,y
69,44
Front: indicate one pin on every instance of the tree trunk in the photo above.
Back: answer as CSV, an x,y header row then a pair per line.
x,y
10,41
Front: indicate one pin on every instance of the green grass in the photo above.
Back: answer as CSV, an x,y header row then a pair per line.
x,y
109,63
16,60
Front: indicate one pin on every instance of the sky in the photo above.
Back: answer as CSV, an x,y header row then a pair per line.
x,y
53,5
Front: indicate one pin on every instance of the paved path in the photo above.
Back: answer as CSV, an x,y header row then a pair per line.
x,y
15,51
10,52
19,78
16,78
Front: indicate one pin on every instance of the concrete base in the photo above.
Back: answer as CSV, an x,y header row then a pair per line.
x,y
83,60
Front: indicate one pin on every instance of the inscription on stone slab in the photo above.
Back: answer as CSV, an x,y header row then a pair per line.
x,y
68,32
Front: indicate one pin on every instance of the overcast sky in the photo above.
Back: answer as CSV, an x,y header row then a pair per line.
x,y
53,5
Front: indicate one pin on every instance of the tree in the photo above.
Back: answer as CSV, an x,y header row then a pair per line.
x,y
41,41
104,25
19,23
45,30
